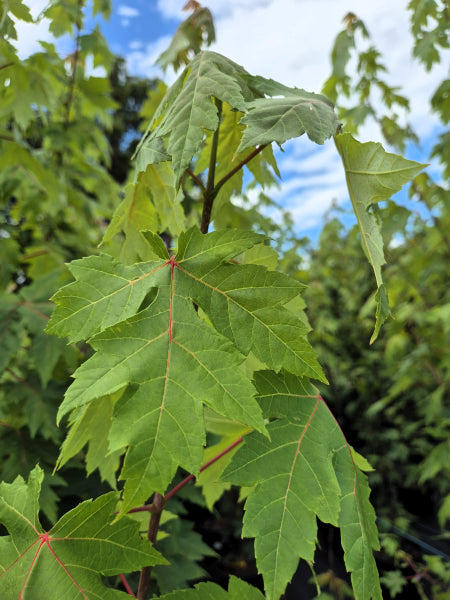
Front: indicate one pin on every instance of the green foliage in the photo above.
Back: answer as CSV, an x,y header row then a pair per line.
x,y
237,589
306,469
196,31
189,351
372,176
82,546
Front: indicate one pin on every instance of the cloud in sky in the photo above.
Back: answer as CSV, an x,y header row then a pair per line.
x,y
127,11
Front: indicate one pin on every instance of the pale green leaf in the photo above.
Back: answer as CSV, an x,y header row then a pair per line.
x,y
373,175
208,479
91,425
188,107
152,204
167,202
278,119
135,214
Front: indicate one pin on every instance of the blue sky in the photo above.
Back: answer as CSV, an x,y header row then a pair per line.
x,y
290,41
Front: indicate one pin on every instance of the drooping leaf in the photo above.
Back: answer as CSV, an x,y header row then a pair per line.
x,y
278,119
152,204
305,470
230,433
189,38
373,175
91,425
188,107
135,214
69,560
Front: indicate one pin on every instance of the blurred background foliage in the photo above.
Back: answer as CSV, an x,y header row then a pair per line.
x,y
66,141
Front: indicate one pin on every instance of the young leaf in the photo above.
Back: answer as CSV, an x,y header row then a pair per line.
x,y
152,204
188,107
189,38
305,470
69,560
282,118
373,175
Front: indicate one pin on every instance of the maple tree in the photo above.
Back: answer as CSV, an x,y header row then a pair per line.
x,y
186,338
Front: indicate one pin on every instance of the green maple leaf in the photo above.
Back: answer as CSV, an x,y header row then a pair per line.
x,y
294,113
69,560
188,109
373,175
168,358
237,590
305,470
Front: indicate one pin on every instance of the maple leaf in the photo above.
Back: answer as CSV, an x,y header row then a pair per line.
x,y
69,560
168,358
188,109
305,470
291,114
373,175
237,590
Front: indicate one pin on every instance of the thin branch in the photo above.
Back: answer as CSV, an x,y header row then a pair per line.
x,y
31,255
145,508
189,478
76,55
197,180
144,580
246,160
6,65
210,191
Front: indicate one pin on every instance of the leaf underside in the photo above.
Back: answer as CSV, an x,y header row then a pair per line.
x,y
373,175
188,110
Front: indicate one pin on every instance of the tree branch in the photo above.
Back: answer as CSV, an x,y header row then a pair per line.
x,y
144,580
246,160
190,477
197,180
210,191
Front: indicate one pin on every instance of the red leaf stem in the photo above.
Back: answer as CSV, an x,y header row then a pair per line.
x,y
126,585
178,487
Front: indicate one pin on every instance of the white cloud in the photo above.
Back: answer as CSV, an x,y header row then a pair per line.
x,y
136,45
141,60
29,34
127,11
